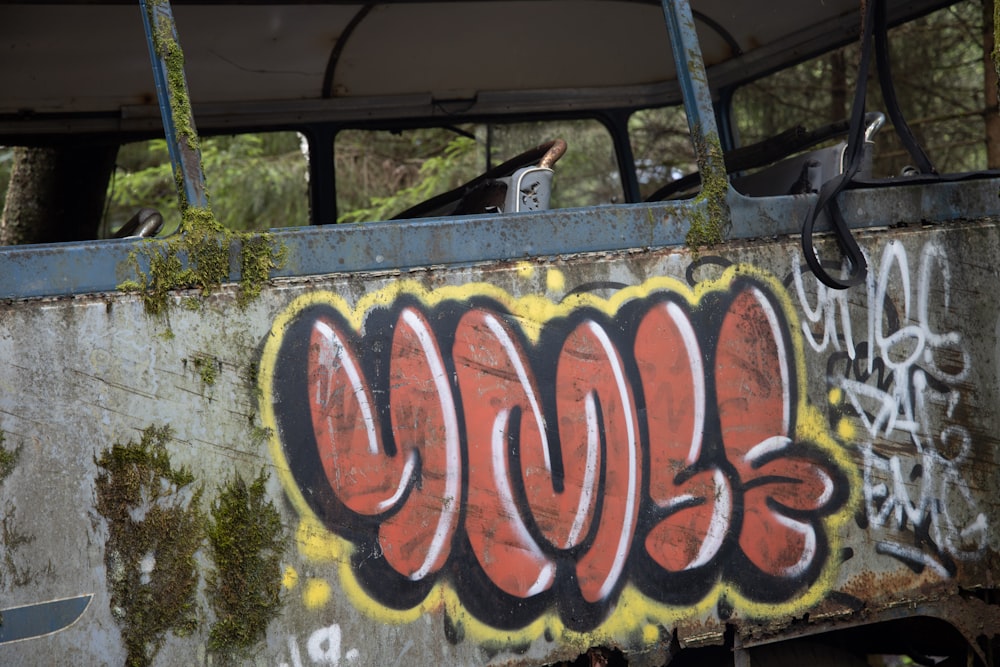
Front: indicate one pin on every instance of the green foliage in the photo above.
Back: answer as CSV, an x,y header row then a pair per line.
x,y
260,181
380,174
587,175
378,164
436,174
207,368
154,529
247,541
143,177
257,181
661,144
937,67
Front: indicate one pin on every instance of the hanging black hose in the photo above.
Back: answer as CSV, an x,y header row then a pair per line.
x,y
909,141
857,266
874,32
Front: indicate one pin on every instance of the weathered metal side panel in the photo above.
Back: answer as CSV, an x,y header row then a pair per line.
x,y
513,462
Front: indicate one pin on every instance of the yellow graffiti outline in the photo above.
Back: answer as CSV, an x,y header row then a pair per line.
x,y
633,612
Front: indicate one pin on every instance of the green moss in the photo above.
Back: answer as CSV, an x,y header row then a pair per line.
x,y
154,529
206,243
207,368
260,435
15,575
258,256
250,375
247,541
198,258
166,47
708,222
8,457
130,286
8,460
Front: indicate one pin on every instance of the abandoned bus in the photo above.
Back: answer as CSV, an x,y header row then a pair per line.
x,y
499,332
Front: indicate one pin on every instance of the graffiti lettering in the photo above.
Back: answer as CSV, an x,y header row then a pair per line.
x,y
898,376
322,648
544,463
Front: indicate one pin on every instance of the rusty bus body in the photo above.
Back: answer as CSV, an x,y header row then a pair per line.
x,y
504,439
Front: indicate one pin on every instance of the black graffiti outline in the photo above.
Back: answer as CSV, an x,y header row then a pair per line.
x,y
478,593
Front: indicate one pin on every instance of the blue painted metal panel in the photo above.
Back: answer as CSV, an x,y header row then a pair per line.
x,y
99,266
44,618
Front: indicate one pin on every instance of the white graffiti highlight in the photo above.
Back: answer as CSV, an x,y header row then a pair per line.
x,y
323,647
896,366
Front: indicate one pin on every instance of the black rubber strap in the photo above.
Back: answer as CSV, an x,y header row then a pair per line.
x,y
909,141
857,266
875,30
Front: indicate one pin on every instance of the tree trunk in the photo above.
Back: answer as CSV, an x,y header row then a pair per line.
x,y
56,194
990,65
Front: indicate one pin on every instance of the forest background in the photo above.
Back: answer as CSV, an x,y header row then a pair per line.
x,y
943,75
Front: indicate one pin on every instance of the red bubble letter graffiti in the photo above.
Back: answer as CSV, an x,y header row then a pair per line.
x,y
652,445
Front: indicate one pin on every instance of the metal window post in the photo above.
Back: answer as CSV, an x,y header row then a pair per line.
x,y
175,107
693,81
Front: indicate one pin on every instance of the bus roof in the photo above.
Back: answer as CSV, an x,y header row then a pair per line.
x,y
83,66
